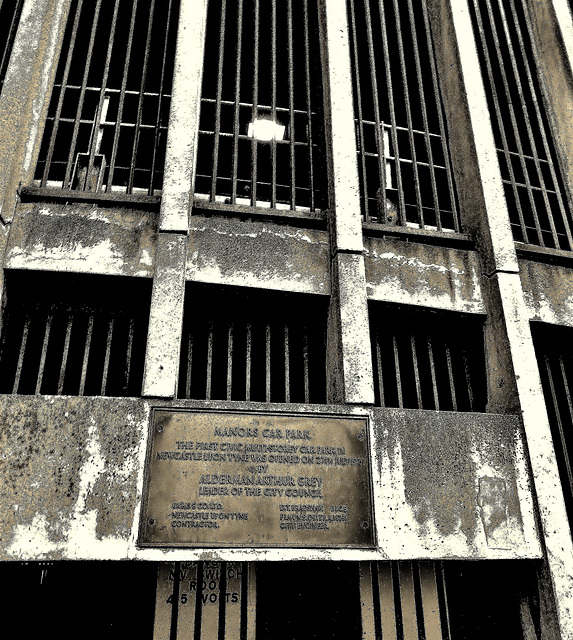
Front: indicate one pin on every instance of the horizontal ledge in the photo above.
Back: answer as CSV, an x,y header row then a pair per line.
x,y
544,254
428,236
46,194
245,211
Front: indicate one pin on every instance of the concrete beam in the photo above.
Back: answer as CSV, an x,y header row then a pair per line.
x,y
166,318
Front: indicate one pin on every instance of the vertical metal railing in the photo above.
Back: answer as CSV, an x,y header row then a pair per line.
x,y
107,122
555,360
404,164
258,350
420,363
407,600
67,347
10,11
261,107
540,212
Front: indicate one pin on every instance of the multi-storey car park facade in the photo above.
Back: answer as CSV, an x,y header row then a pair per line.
x,y
339,231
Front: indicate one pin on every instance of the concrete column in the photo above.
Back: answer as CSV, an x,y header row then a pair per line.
x,y
167,299
349,354
182,134
26,95
513,377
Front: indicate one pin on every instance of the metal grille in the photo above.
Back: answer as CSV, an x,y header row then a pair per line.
x,y
449,600
404,165
10,11
58,341
107,121
261,123
538,207
426,360
253,346
555,359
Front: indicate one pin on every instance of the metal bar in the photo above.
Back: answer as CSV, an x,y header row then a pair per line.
x,y
397,368
292,133
255,108
433,374
248,362
215,159
209,361
365,571
560,426
237,105
408,601
387,606
128,355
10,40
430,603
80,103
308,104
379,370
441,123
122,94
189,365
21,353
109,338
391,106
229,360
451,378
305,365
422,108
468,381
45,344
136,134
268,362
65,353
59,107
274,102
379,125
87,346
406,92
416,371
161,97
287,363
359,114
95,138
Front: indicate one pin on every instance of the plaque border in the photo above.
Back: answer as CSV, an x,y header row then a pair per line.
x,y
154,410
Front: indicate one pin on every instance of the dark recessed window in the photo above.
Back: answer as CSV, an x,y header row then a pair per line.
x,y
538,207
106,128
554,351
10,11
403,159
241,344
64,334
261,124
427,360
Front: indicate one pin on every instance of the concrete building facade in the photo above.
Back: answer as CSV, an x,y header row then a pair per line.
x,y
320,252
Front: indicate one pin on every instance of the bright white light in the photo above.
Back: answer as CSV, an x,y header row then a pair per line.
x,y
266,130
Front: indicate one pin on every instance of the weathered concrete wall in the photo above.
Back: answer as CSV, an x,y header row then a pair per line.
x,y
72,474
452,485
69,469
416,273
83,238
548,291
260,254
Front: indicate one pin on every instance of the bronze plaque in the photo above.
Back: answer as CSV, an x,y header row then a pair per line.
x,y
221,479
